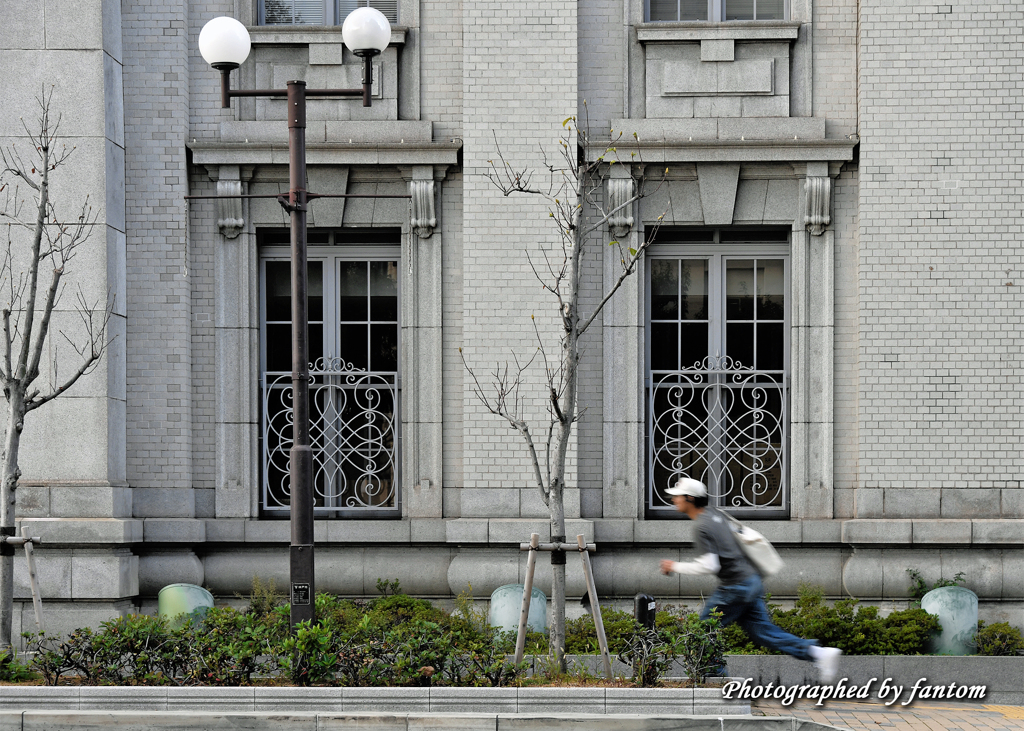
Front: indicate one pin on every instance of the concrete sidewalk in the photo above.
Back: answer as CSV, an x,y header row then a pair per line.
x,y
919,716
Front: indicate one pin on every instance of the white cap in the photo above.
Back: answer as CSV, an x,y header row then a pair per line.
x,y
688,486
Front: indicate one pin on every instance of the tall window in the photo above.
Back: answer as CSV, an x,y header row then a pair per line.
x,y
716,10
717,367
353,301
319,12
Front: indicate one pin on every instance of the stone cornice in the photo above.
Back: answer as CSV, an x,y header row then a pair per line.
x,y
759,30
885,532
355,153
716,150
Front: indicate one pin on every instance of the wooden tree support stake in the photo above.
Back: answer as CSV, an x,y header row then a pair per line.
x,y
585,549
30,557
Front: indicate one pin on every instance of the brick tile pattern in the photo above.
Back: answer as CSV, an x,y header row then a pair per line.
x,y
156,77
941,400
519,86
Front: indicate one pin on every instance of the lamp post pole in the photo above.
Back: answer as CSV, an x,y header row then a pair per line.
x,y
301,568
224,43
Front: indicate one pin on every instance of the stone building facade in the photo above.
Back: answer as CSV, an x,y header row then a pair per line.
x,y
827,328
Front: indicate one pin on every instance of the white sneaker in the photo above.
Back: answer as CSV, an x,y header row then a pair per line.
x,y
826,662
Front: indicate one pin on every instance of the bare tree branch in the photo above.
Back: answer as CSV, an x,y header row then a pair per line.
x,y
498,408
27,321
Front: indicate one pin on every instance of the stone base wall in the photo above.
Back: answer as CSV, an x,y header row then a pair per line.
x,y
91,570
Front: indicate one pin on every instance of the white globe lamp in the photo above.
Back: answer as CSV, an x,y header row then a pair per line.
x,y
224,43
366,32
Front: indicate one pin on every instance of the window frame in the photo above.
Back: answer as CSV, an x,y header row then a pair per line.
x,y
332,252
332,15
715,13
717,322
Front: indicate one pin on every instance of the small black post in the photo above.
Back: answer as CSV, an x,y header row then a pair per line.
x,y
644,608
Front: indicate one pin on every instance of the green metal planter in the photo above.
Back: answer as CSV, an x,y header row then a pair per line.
x,y
957,610
177,603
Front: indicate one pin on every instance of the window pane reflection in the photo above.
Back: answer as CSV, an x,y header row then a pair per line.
x,y
739,289
739,9
771,10
664,289
383,290
771,289
694,289
352,290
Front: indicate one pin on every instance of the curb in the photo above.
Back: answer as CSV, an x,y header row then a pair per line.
x,y
192,721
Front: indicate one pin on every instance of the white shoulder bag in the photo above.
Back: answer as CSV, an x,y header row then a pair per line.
x,y
756,547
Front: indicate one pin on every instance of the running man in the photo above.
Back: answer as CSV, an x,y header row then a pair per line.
x,y
740,594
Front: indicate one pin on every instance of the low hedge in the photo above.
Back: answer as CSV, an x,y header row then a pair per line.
x,y
393,640
402,641
854,629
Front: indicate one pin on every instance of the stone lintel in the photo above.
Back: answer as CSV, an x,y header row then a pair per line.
x,y
356,153
669,141
696,31
72,531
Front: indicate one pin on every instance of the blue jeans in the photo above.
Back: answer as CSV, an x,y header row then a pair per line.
x,y
744,603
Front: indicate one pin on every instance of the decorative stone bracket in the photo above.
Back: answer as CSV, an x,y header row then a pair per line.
x,y
229,210
423,216
817,192
619,191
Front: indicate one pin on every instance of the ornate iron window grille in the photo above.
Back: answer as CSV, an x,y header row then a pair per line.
x,y
353,433
724,424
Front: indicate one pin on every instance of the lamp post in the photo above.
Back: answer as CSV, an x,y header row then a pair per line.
x,y
224,43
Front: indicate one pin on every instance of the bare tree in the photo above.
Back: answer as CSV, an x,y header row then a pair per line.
x,y
572,188
40,242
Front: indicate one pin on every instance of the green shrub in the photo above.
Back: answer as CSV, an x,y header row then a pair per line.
x,y
399,609
393,640
581,634
853,629
228,647
12,670
998,639
649,653
264,598
341,615
128,650
698,645
918,586
701,646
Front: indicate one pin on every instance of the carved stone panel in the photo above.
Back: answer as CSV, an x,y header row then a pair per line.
x,y
229,210
817,194
423,216
619,191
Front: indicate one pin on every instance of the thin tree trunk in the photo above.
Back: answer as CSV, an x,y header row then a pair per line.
x,y
557,634
570,362
11,473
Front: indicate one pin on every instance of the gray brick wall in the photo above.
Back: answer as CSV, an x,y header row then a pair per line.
x,y
452,370
205,112
520,86
940,260
590,445
834,69
159,441
441,66
847,334
203,236
602,61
